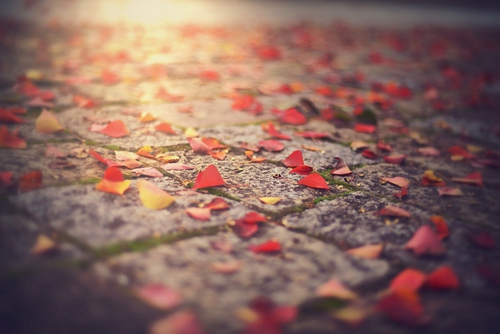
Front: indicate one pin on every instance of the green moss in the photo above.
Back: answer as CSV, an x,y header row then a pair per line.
x,y
221,193
173,148
331,197
113,147
331,180
90,142
146,244
89,180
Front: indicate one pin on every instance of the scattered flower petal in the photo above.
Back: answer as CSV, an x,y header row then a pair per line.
x,y
335,288
449,191
159,296
153,197
425,241
393,211
442,278
199,213
314,181
210,177
367,252
270,200
47,123
115,129
270,246
294,159
410,279
398,181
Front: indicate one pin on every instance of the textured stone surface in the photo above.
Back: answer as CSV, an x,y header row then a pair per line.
x,y
289,277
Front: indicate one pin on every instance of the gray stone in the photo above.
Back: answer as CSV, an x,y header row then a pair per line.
x,y
288,277
99,218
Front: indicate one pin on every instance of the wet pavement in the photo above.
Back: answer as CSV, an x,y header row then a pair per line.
x,y
410,109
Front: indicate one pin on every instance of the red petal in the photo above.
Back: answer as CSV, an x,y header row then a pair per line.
x,y
292,116
365,128
8,117
10,139
30,181
198,146
314,135
402,193
269,128
483,239
270,246
271,145
402,306
253,218
395,159
473,178
294,159
301,170
217,204
393,211
5,179
441,226
425,241
314,181
245,230
165,127
113,174
210,177
459,151
381,145
106,161
410,279
369,154
115,129
443,278
159,296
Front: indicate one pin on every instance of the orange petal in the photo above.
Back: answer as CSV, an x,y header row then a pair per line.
x,y
393,211
153,197
112,187
115,129
43,245
199,213
397,181
146,117
367,252
47,123
335,288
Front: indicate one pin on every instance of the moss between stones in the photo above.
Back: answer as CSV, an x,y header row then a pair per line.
x,y
221,193
331,180
173,148
146,244
331,197
113,147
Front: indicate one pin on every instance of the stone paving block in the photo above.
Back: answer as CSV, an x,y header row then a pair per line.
x,y
351,221
33,158
18,235
99,218
288,277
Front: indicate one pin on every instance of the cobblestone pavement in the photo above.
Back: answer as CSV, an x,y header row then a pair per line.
x,y
398,129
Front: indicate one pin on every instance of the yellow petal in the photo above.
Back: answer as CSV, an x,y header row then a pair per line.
x,y
166,158
270,200
43,245
191,132
111,187
153,197
47,123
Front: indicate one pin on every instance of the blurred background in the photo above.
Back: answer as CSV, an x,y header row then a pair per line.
x,y
389,12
